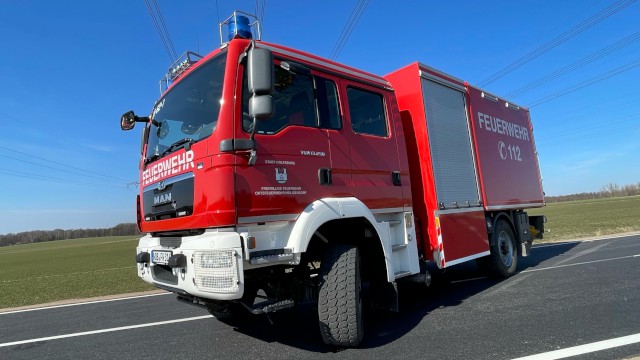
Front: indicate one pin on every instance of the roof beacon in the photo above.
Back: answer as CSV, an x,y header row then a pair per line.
x,y
240,25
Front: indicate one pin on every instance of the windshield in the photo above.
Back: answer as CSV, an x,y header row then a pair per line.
x,y
189,111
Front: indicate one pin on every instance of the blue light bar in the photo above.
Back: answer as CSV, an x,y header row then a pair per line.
x,y
239,27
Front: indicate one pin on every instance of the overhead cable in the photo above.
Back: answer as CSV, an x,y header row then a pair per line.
x,y
61,164
576,65
355,16
560,39
584,84
167,48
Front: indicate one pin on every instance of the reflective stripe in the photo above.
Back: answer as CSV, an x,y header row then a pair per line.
x,y
440,261
267,218
514,206
467,258
458,211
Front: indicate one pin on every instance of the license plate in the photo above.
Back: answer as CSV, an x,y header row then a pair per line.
x,y
160,257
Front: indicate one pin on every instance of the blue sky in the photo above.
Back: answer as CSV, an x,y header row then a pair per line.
x,y
69,69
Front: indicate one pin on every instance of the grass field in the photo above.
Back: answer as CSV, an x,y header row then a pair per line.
x,y
81,268
587,218
68,269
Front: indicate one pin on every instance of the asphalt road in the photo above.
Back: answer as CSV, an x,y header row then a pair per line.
x,y
579,294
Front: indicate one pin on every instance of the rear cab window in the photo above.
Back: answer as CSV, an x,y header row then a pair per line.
x,y
367,112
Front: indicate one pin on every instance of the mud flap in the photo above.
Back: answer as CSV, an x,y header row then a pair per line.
x,y
524,233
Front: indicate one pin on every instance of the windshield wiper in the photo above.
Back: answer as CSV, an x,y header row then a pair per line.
x,y
171,148
152,158
177,145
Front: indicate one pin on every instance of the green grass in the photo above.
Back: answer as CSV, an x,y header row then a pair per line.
x,y
81,268
68,269
589,218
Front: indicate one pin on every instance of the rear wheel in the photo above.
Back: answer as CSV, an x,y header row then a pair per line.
x,y
340,297
503,260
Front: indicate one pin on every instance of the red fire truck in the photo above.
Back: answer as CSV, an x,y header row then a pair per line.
x,y
271,177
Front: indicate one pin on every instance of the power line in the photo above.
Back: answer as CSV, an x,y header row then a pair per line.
x,y
61,164
560,39
159,29
166,31
53,167
584,110
584,84
610,123
217,12
355,16
33,176
576,65
587,136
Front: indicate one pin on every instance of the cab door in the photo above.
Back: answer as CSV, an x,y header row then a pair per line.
x,y
293,167
375,165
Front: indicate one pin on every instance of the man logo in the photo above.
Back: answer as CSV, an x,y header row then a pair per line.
x,y
162,199
161,185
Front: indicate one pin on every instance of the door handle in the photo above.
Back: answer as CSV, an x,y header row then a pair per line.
x,y
324,176
395,178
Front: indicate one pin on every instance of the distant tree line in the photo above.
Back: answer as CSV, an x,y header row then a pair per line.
x,y
35,236
607,191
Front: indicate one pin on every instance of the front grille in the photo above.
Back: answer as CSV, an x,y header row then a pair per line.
x,y
170,198
216,271
170,242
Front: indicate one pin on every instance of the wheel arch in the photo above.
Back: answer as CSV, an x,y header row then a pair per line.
x,y
506,216
342,220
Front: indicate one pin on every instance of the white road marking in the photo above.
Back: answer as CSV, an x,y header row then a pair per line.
x,y
580,263
585,349
83,303
612,237
104,331
555,244
472,279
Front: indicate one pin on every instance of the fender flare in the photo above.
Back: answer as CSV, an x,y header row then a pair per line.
x,y
499,216
324,210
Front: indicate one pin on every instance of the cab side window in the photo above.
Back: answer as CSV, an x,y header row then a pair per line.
x,y
328,107
295,103
366,110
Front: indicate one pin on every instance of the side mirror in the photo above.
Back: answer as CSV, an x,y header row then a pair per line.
x,y
128,120
261,106
260,71
260,76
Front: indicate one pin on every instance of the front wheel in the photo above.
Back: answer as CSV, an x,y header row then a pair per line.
x,y
340,297
503,260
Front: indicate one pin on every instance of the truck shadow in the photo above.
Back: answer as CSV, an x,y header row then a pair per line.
x,y
299,328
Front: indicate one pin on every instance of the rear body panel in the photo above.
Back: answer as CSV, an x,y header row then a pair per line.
x,y
506,153
459,169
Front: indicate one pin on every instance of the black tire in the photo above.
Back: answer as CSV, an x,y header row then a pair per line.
x,y
503,260
340,297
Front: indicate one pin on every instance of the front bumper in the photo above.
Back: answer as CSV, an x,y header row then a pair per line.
x,y
211,265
